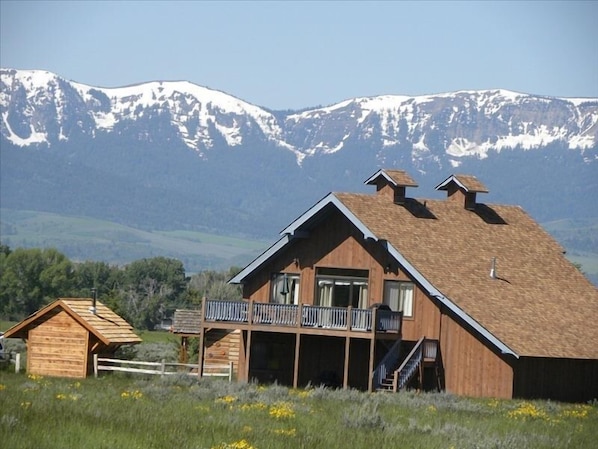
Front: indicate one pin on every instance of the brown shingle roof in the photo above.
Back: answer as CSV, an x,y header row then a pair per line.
x,y
106,325
186,321
540,305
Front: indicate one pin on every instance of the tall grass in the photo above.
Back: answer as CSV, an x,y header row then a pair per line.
x,y
179,411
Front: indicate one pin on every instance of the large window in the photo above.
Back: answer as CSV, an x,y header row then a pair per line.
x,y
399,296
285,288
342,288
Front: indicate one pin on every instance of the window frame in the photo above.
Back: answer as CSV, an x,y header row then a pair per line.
x,y
402,299
337,278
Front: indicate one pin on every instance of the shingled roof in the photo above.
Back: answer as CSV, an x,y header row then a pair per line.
x,y
538,304
186,321
106,325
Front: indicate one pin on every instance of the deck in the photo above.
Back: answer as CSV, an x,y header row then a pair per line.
x,y
299,318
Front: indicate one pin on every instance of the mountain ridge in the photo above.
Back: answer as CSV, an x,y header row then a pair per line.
x,y
175,155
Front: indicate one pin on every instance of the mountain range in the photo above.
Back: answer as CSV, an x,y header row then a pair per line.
x,y
174,155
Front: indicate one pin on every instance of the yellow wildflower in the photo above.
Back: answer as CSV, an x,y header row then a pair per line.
x,y
282,410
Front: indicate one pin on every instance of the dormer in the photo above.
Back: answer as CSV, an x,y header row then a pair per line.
x,y
391,184
463,189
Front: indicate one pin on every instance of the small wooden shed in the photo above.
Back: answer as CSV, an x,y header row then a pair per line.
x,y
63,336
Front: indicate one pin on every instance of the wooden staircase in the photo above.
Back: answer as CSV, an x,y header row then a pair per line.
x,y
424,353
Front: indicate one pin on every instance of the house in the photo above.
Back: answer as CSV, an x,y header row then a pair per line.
x,y
63,336
385,291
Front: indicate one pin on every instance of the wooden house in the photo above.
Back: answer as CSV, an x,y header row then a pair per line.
x,y
385,291
63,336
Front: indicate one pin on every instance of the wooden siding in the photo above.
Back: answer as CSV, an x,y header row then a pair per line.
x,y
471,367
222,347
335,243
570,380
58,347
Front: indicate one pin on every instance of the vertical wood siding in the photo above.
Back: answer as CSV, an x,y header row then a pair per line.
x,y
471,368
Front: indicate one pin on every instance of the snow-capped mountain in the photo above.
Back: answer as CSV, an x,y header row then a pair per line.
x,y
40,107
208,159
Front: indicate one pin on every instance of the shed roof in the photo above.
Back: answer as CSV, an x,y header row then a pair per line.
x,y
106,325
186,321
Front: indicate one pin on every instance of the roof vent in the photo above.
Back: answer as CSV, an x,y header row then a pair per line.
x,y
462,188
392,184
493,268
94,295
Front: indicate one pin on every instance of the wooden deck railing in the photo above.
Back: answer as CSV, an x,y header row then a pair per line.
x,y
301,315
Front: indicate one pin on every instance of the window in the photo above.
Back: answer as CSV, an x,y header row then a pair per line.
x,y
399,296
285,288
341,288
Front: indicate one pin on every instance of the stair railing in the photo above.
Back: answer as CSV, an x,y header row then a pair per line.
x,y
409,366
387,364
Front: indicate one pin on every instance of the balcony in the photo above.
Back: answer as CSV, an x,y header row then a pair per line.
x,y
306,318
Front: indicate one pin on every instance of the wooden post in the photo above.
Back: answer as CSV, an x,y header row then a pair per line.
x,y
162,367
296,362
247,355
17,362
372,350
230,371
200,351
95,366
349,322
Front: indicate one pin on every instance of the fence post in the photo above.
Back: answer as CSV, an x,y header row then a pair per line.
x,y
230,371
17,362
163,367
95,366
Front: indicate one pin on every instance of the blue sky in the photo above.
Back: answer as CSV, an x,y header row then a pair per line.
x,y
290,55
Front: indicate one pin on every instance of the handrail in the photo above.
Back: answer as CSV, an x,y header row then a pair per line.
x,y
388,362
409,366
291,315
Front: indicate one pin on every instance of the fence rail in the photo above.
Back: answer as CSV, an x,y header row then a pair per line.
x,y
159,368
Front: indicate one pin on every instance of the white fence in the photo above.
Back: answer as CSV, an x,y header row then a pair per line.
x,y
158,368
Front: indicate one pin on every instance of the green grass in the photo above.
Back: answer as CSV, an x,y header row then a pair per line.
x,y
82,238
4,325
177,411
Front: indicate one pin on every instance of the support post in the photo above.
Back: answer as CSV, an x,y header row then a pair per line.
x,y
95,366
296,361
247,355
200,351
372,349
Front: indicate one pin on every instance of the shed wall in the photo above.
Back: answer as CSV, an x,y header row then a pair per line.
x,y
58,347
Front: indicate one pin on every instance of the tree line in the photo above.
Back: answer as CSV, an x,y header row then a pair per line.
x,y
143,292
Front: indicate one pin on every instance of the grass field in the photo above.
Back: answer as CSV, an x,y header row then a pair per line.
x,y
184,413
82,238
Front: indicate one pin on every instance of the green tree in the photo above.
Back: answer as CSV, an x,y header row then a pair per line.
x,y
152,290
32,278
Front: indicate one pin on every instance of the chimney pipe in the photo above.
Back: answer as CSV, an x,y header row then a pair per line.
x,y
493,268
92,309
